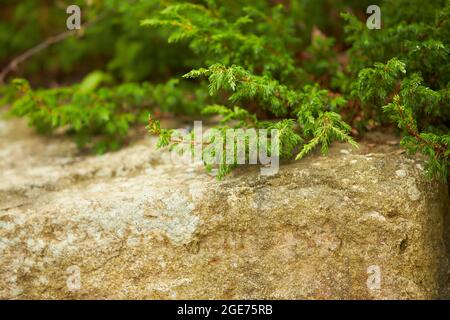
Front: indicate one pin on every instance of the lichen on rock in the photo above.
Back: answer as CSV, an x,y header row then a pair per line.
x,y
136,225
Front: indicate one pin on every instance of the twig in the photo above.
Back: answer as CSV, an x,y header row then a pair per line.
x,y
12,66
438,148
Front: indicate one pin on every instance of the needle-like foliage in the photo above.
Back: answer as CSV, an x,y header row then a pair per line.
x,y
294,66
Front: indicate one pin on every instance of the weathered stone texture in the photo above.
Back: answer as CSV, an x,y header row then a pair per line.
x,y
138,226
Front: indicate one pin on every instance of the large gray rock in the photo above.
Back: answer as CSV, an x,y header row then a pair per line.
x,y
133,224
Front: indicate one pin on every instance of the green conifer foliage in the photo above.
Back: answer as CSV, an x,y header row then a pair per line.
x,y
292,65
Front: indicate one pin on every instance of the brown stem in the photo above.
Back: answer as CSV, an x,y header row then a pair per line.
x,y
439,149
12,66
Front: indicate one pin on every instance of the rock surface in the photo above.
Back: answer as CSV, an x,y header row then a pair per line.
x,y
133,224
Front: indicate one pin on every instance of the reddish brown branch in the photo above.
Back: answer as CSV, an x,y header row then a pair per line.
x,y
12,66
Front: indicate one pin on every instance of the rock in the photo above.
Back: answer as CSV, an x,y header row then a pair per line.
x,y
134,224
